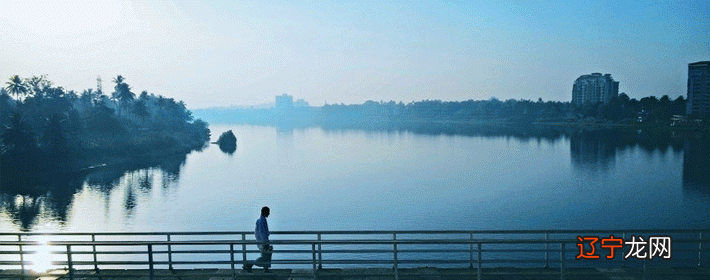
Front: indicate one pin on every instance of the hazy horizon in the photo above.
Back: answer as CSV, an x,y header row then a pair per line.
x,y
222,54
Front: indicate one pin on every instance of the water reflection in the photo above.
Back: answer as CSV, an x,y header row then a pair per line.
x,y
596,151
299,167
592,150
523,133
696,167
49,199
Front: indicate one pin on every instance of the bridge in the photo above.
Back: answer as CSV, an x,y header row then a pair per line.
x,y
485,254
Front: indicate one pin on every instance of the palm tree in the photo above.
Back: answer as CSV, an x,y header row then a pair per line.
x,y
122,92
16,86
37,84
118,79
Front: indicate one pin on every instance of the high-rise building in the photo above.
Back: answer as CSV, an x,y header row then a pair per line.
x,y
594,88
698,89
284,102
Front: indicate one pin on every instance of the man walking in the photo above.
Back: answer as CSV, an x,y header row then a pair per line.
x,y
262,236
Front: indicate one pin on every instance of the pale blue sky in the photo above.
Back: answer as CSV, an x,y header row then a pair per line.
x,y
222,53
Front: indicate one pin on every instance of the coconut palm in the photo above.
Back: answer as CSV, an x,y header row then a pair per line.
x,y
118,79
16,86
122,92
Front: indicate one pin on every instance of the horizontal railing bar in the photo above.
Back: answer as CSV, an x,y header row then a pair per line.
x,y
91,263
295,261
344,251
289,242
392,251
309,242
346,232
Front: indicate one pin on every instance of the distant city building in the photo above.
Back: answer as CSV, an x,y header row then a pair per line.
x,y
594,88
284,101
698,89
300,103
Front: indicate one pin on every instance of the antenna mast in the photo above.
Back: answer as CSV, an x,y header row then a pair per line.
x,y
98,85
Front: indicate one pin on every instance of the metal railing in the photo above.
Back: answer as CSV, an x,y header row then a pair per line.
x,y
471,250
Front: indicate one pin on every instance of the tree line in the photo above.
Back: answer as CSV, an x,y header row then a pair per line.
x,y
47,129
621,109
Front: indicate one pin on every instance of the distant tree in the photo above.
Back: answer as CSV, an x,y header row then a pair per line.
x,y
678,106
624,98
53,142
118,79
16,86
144,95
17,138
122,93
141,109
36,84
87,98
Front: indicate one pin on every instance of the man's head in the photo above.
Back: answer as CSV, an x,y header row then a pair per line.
x,y
265,211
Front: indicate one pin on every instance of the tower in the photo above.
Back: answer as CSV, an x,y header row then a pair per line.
x,y
698,89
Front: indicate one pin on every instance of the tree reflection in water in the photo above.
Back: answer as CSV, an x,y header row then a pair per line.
x,y
28,203
34,201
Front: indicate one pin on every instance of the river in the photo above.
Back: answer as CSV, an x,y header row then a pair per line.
x,y
350,179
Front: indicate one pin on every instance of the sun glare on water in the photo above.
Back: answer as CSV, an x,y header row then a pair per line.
x,y
41,259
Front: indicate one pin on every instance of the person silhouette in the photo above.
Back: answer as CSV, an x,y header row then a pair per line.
x,y
261,232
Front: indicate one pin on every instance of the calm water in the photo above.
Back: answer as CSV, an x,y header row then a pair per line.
x,y
316,179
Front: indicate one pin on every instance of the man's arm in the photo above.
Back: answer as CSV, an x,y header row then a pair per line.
x,y
262,231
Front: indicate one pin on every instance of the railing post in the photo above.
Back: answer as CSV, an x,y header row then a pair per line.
x,y
547,250
562,260
320,253
396,268
315,269
700,248
96,262
244,248
69,263
150,261
22,257
479,261
170,255
470,249
231,257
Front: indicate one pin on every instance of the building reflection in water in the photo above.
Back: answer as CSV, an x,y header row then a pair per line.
x,y
696,167
596,151
592,151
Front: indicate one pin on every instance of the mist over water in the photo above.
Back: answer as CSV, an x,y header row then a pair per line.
x,y
348,179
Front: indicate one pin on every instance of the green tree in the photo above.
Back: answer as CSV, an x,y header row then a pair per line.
x,y
54,142
141,109
122,93
17,140
37,84
16,86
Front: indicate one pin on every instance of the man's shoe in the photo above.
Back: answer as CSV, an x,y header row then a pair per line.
x,y
247,268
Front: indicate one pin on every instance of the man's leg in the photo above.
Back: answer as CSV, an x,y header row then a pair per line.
x,y
247,266
265,259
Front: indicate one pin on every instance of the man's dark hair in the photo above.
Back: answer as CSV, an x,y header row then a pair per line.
x,y
264,210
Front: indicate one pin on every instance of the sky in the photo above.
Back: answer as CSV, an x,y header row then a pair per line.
x,y
240,53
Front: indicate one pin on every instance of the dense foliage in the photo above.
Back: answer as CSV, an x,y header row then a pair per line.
x,y
619,109
44,127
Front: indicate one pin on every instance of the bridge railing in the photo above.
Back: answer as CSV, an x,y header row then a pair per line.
x,y
314,250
